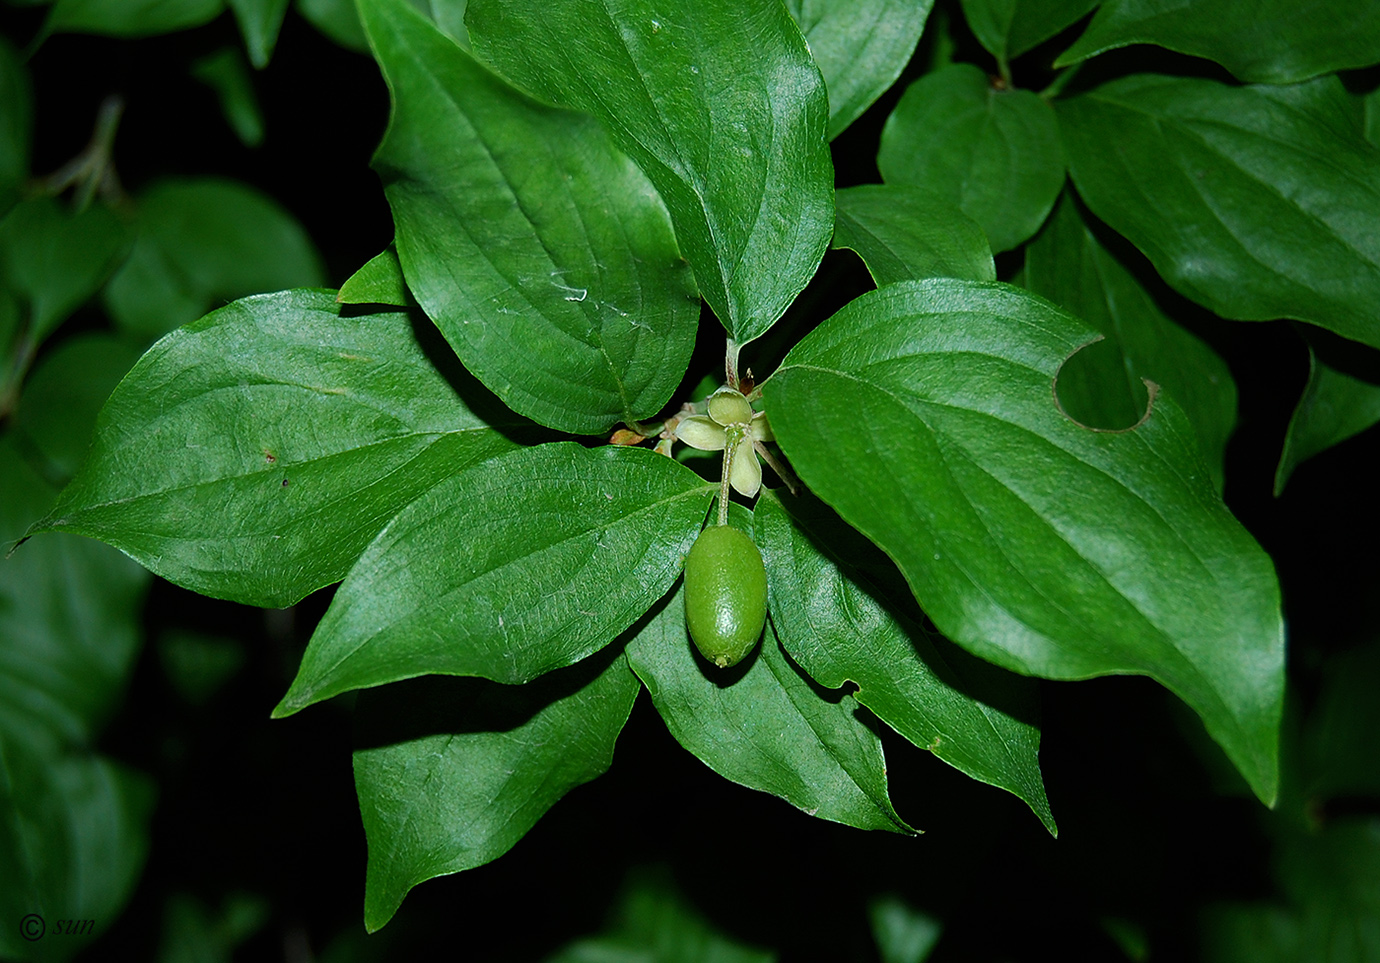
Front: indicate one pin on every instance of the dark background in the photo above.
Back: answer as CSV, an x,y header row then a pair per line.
x,y
1153,825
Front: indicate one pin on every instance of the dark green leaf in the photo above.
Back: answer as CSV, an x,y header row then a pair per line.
x,y
1341,738
260,21
64,395
1371,117
834,622
130,18
453,772
861,47
1068,264
905,233
337,19
380,281
512,568
924,414
227,74
1008,28
903,934
195,933
68,606
654,923
995,153
764,725
16,126
254,454
1269,41
202,242
73,836
1334,407
722,106
52,261
540,251
197,665
1231,202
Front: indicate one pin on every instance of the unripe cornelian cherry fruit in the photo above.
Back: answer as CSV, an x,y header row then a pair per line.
x,y
725,594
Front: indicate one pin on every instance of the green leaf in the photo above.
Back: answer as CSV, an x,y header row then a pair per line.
x,y
1342,735
63,396
1335,406
227,74
16,126
52,261
205,241
254,454
720,104
1068,265
905,233
763,724
260,21
903,934
73,837
861,47
130,18
1231,203
1267,41
994,153
1008,28
653,923
337,19
380,281
923,412
833,621
195,933
515,567
68,610
453,772
540,251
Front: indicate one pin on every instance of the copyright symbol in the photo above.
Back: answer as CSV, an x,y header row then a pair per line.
x,y
32,927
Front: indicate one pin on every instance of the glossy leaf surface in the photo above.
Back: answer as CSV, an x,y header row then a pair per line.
x,y
1335,406
924,414
453,772
763,724
1068,264
906,234
1267,41
994,153
130,18
1232,204
720,104
510,569
202,242
540,251
831,618
254,454
1008,28
379,281
861,47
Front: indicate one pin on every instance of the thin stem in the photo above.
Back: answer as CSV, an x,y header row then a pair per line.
x,y
731,362
1060,81
724,483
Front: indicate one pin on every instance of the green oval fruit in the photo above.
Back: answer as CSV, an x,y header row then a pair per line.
x,y
725,594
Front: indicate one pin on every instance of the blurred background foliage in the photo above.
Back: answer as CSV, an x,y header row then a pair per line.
x,y
158,159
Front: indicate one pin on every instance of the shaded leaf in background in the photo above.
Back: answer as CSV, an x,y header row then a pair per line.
x,y
379,281
720,103
994,153
205,241
16,127
452,772
1334,407
1231,203
906,234
254,454
337,19
195,933
1008,28
130,18
861,47
903,934
654,923
197,665
226,73
51,260
830,619
1266,41
63,396
512,568
540,251
260,21
1341,738
1068,265
764,725
923,413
